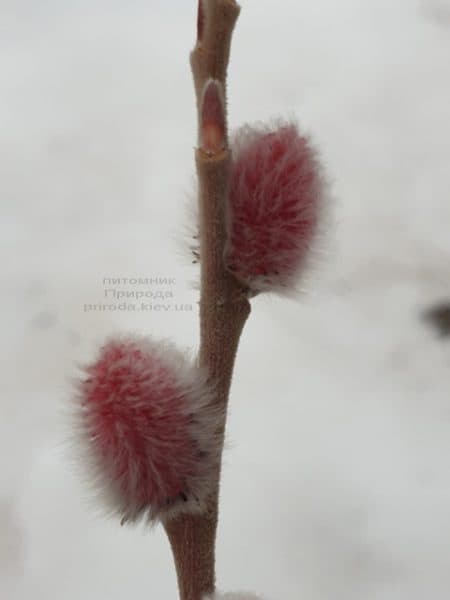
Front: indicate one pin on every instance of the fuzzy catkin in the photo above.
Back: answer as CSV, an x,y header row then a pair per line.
x,y
147,429
275,204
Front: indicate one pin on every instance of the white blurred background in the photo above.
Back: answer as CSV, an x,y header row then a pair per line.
x,y
337,477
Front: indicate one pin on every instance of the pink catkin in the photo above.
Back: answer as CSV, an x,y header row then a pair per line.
x,y
149,431
274,207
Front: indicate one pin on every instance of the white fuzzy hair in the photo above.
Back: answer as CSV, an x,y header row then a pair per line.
x,y
296,282
206,420
187,234
233,596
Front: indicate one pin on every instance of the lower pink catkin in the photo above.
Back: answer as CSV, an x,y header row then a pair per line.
x,y
275,202
148,428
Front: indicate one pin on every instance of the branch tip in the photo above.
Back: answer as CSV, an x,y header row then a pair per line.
x,y
200,21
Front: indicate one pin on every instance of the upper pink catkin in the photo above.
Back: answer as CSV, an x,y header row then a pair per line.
x,y
148,430
275,203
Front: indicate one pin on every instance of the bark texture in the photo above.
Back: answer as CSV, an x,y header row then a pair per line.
x,y
224,306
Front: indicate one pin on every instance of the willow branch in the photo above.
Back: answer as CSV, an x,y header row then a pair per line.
x,y
224,307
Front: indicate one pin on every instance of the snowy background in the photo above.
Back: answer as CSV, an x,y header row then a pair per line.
x,y
337,477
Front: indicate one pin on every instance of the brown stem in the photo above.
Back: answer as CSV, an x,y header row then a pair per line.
x,y
224,307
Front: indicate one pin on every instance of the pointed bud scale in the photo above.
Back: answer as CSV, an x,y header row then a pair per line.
x,y
148,429
212,118
275,202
